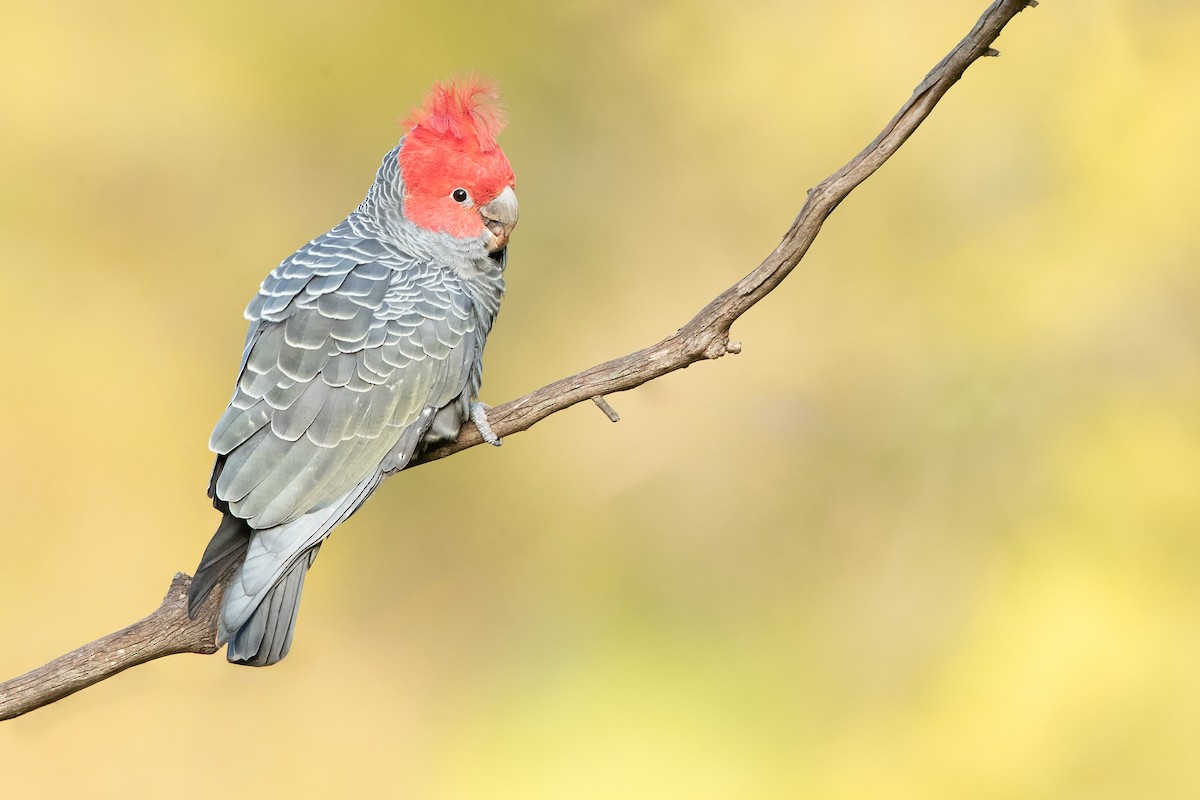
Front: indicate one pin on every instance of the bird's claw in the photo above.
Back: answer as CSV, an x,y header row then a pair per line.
x,y
479,417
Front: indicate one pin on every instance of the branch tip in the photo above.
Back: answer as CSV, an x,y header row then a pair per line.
x,y
608,410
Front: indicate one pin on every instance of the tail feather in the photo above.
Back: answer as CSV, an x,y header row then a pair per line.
x,y
226,548
262,597
266,636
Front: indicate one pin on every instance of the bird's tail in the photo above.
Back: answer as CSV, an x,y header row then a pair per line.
x,y
258,623
262,595
266,636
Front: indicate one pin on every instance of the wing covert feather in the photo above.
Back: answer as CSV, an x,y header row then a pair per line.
x,y
346,365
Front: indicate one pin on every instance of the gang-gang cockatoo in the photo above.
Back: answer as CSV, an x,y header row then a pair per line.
x,y
364,347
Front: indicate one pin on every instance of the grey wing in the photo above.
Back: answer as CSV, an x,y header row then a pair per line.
x,y
345,366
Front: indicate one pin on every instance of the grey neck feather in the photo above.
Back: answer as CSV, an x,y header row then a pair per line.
x,y
381,215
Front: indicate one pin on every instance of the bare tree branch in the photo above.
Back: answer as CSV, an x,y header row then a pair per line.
x,y
164,633
168,630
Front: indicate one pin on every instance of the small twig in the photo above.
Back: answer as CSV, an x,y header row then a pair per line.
x,y
608,410
169,630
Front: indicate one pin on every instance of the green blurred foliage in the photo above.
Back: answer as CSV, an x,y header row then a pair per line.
x,y
933,534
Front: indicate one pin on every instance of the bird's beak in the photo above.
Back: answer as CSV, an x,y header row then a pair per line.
x,y
500,217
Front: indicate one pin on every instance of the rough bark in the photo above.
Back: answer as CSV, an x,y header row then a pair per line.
x,y
168,630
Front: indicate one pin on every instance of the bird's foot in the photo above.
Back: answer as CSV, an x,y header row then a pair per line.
x,y
479,417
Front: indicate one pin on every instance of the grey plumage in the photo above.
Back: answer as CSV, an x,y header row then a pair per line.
x,y
363,347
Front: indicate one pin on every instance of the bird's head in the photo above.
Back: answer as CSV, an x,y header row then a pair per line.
x,y
457,180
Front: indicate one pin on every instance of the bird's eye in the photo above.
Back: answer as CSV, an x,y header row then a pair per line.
x,y
460,195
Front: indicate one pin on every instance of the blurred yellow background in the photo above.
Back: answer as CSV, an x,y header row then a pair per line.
x,y
933,534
